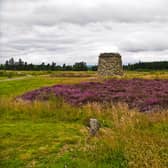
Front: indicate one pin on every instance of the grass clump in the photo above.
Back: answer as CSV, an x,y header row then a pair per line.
x,y
55,134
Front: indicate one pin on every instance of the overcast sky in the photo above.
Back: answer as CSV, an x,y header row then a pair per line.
x,y
68,31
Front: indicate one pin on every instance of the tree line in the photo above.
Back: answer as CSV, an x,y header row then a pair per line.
x,y
11,64
160,65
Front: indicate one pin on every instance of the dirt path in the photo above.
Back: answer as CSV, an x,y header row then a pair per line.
x,y
17,78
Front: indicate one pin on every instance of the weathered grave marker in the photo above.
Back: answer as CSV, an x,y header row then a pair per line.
x,y
94,126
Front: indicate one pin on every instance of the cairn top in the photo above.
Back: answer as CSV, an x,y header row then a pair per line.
x,y
110,55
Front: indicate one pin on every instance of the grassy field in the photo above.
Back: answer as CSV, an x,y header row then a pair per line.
x,y
54,134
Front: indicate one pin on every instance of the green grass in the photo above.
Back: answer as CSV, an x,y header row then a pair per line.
x,y
2,77
15,87
26,141
54,134
10,73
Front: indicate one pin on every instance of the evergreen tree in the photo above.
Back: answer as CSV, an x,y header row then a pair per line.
x,y
80,66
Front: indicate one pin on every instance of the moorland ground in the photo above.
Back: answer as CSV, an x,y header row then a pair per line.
x,y
54,133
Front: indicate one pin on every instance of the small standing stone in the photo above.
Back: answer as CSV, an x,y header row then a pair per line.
x,y
94,126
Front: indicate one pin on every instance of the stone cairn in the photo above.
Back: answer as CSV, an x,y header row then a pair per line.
x,y
110,64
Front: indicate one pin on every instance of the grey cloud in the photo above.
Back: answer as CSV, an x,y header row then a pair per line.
x,y
50,13
68,31
145,41
104,12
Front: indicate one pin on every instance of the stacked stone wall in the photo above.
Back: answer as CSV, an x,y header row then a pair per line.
x,y
110,64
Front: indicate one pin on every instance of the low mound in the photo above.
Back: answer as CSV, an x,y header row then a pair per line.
x,y
146,95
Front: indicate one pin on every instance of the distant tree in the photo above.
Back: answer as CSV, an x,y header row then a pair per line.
x,y
64,67
7,65
42,66
58,68
11,64
94,68
47,67
53,66
2,66
11,61
25,66
20,61
162,65
69,68
80,66
20,65
31,67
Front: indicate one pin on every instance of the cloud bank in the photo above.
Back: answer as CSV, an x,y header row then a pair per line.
x,y
71,30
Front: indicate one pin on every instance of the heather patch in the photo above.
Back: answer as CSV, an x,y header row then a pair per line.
x,y
145,95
